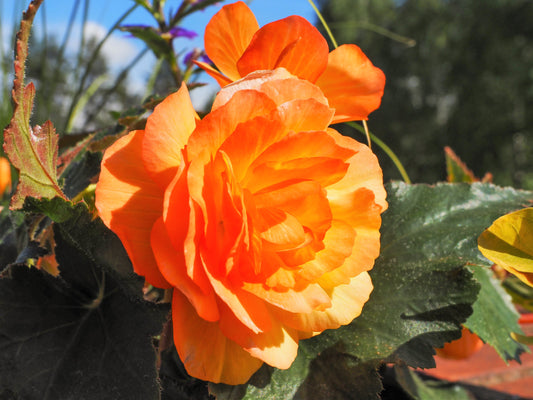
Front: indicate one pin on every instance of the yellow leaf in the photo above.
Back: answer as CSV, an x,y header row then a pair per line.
x,y
508,242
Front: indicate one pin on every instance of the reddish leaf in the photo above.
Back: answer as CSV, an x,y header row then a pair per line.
x,y
32,151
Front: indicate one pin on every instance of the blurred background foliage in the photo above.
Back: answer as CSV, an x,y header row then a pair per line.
x,y
459,74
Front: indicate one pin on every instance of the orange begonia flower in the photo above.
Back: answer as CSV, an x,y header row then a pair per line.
x,y
262,219
237,46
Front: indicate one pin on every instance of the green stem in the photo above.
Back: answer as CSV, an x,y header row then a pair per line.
x,y
386,149
324,23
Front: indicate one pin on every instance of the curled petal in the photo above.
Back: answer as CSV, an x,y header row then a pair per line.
x,y
351,83
248,309
254,81
347,302
129,203
206,352
227,36
277,347
292,43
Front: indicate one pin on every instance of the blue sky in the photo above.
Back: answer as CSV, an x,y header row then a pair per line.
x,y
121,49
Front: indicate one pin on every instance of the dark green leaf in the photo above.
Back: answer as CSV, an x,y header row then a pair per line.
x,y
76,336
12,236
176,384
495,316
57,208
103,247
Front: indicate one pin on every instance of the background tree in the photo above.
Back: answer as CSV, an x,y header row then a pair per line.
x,y
459,73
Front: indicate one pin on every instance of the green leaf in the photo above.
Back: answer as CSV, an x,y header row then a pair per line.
x,y
32,151
57,209
508,242
76,336
419,389
495,316
422,292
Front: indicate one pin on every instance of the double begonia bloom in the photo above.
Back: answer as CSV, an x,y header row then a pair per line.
x,y
237,46
262,219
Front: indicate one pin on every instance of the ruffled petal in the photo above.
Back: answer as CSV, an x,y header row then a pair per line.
x,y
205,351
310,298
266,131
171,263
352,84
338,246
227,36
347,302
364,172
129,203
292,43
167,131
305,200
300,155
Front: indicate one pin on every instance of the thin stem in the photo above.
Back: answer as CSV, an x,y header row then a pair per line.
x,y
367,133
324,23
364,128
386,149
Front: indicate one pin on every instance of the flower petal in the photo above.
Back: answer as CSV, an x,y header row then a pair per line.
x,y
129,203
338,246
227,36
171,263
370,176
248,309
249,140
292,43
253,81
205,351
279,230
309,298
304,200
351,83
167,132
299,155
277,347
347,302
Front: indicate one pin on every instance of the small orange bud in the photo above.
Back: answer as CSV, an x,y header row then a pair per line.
x,y
5,174
468,344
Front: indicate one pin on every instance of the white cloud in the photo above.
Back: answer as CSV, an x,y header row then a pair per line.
x,y
118,51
